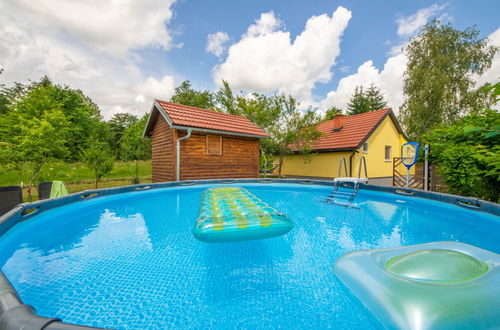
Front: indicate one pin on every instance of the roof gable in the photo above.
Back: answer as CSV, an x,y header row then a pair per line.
x,y
355,130
183,117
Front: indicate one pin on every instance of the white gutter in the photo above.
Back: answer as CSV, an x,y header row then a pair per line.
x,y
207,130
178,162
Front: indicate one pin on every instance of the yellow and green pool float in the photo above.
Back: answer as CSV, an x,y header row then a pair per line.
x,y
229,214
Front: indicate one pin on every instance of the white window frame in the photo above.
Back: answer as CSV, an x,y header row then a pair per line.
x,y
390,153
365,147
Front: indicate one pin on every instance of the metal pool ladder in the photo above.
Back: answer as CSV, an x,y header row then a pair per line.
x,y
345,198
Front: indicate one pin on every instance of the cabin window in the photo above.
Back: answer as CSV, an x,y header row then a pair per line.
x,y
387,153
214,145
365,147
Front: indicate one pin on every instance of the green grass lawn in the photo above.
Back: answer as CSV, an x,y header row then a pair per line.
x,y
76,176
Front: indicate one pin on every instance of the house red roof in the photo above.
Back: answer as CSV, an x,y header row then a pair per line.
x,y
354,130
187,116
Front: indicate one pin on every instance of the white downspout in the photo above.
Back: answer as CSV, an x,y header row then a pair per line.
x,y
178,162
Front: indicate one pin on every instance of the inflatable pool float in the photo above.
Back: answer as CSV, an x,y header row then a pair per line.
x,y
229,214
439,285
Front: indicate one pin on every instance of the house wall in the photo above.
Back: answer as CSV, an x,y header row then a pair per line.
x,y
386,134
327,164
162,151
321,165
239,159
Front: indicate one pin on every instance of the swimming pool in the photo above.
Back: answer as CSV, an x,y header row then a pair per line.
x,y
130,261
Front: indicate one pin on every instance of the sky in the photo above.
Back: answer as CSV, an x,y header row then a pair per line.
x,y
125,53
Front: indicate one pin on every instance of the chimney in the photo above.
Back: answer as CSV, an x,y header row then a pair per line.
x,y
338,122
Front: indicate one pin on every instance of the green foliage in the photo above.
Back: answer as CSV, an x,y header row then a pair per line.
x,y
366,101
438,85
468,154
292,130
118,124
38,129
226,100
25,103
134,146
289,128
98,158
331,112
185,94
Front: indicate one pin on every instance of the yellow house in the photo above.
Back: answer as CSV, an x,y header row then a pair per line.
x,y
375,135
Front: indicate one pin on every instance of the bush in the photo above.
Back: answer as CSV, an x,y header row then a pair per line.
x,y
468,155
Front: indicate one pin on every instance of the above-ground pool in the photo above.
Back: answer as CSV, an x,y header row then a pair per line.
x,y
130,261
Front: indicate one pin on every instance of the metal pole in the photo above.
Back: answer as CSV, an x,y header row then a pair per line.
x,y
407,176
178,156
426,167
265,165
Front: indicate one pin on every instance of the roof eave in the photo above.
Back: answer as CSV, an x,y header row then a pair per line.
x,y
329,150
394,119
215,131
193,128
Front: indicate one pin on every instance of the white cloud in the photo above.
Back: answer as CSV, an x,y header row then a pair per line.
x,y
216,43
410,24
153,88
73,46
493,73
389,80
107,25
265,59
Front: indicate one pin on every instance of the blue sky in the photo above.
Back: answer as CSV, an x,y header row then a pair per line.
x,y
125,53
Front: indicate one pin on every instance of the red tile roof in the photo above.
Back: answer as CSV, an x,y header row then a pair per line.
x,y
183,115
355,130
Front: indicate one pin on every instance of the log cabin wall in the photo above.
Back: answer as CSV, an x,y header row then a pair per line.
x,y
239,159
163,151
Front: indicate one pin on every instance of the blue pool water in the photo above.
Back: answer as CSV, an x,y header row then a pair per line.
x,y
130,261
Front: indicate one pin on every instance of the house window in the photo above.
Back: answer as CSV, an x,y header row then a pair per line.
x,y
365,147
214,145
388,153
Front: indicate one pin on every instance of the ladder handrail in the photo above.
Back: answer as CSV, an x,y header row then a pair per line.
x,y
362,160
340,166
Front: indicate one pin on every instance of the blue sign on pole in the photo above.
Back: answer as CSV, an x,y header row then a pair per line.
x,y
409,156
409,153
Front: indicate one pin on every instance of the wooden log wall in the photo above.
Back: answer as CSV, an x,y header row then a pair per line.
x,y
239,159
163,151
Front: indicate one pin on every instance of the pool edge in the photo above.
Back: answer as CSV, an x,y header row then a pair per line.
x,y
16,315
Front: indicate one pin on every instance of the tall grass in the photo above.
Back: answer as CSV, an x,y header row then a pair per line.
x,y
72,172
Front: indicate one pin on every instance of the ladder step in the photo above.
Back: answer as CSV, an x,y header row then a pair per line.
x,y
341,193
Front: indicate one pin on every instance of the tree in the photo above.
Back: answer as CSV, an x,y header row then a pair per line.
x,y
365,101
438,82
38,129
293,129
468,153
134,146
34,99
98,158
118,124
186,95
358,102
375,98
331,112
225,99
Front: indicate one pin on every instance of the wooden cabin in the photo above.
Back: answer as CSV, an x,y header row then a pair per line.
x,y
190,143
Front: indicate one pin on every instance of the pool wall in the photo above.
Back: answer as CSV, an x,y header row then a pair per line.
x,y
16,315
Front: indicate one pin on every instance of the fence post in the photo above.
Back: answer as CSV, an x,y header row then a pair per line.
x,y
426,167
